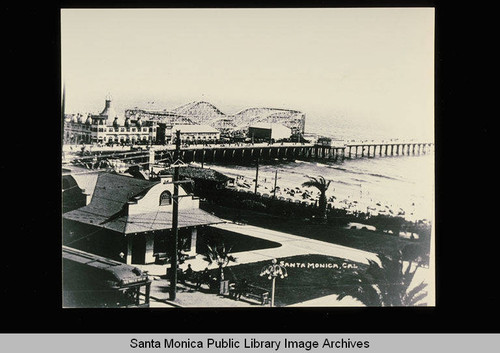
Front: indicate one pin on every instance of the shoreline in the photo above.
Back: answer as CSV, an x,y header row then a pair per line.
x,y
339,197
346,192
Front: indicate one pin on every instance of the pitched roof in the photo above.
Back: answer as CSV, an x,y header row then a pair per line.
x,y
107,209
111,193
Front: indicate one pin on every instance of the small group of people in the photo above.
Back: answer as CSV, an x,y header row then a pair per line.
x,y
306,194
240,288
198,278
186,275
204,277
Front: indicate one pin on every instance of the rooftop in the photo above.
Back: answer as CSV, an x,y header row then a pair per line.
x,y
119,271
194,128
107,208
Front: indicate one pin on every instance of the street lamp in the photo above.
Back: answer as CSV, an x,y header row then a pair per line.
x,y
272,271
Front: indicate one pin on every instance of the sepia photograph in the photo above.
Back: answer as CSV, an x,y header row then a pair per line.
x,y
248,157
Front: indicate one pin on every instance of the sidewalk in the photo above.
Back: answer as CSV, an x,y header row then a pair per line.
x,y
291,245
187,296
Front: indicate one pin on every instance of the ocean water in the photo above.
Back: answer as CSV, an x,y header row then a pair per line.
x,y
387,185
401,183
397,183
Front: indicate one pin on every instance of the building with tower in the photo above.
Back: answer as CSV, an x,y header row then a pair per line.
x,y
105,127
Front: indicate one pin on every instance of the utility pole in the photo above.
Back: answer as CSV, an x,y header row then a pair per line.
x,y
256,175
175,218
203,155
275,182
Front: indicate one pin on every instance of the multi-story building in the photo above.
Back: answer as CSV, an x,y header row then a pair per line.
x,y
193,133
169,121
105,128
198,122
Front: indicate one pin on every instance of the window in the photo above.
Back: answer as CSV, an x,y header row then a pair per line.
x,y
165,198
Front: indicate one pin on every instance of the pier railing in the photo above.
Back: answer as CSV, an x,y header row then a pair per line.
x,y
302,151
242,153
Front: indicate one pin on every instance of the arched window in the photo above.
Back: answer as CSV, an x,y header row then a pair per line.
x,y
165,198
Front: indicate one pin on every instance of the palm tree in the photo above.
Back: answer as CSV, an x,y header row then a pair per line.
x,y
384,285
322,185
220,255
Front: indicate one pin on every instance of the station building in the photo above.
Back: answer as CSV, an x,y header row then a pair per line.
x,y
130,220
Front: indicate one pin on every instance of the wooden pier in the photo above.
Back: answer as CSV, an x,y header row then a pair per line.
x,y
386,149
291,151
245,153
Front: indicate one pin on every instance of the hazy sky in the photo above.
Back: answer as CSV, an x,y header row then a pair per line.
x,y
373,65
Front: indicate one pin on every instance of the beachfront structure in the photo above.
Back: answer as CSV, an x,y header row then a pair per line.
x,y
269,131
207,113
292,119
105,127
192,133
165,120
130,220
170,121
330,142
164,116
230,125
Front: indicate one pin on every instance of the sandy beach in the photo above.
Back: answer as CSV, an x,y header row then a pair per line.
x,y
339,196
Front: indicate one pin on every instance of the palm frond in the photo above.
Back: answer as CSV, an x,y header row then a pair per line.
x,y
415,301
415,294
383,284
